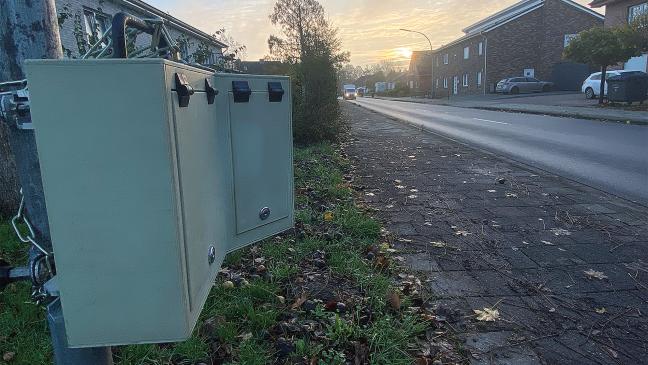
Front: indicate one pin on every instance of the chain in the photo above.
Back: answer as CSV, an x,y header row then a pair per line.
x,y
31,237
40,267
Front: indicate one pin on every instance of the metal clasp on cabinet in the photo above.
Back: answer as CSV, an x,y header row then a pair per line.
x,y
275,92
183,89
241,91
211,92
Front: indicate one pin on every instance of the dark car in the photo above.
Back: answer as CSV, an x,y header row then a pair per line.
x,y
516,85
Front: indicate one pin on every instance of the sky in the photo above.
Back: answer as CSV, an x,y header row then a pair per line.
x,y
369,29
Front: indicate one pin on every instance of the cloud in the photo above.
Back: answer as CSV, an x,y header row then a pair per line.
x,y
369,29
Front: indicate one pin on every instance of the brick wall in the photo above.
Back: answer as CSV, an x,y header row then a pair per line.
x,y
616,13
533,41
459,66
76,7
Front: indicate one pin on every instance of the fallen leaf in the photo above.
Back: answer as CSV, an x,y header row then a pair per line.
x,y
384,246
439,244
370,194
412,196
560,232
328,216
487,314
228,284
298,303
547,243
492,191
462,233
8,356
400,187
593,274
601,310
511,195
393,299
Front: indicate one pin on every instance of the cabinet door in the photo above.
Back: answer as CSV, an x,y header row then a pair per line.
x,y
262,163
201,186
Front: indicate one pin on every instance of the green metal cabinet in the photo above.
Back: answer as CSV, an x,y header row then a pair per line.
x,y
145,196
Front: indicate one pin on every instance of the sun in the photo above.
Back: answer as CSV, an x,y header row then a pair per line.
x,y
404,52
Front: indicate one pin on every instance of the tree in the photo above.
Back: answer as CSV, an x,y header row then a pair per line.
x,y
602,47
639,28
28,29
311,46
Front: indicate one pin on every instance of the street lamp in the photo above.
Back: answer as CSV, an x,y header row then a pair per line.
x,y
432,91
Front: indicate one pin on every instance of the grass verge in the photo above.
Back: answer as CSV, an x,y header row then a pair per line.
x,y
323,293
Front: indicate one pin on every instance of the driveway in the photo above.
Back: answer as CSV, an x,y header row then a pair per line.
x,y
564,266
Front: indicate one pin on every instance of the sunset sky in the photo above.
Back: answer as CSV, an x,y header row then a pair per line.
x,y
369,29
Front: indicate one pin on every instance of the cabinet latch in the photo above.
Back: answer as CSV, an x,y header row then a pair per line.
x,y
183,89
241,90
210,91
275,91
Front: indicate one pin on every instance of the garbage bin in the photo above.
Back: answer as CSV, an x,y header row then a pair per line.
x,y
628,87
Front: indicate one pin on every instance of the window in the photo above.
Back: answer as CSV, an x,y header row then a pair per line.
x,y
437,60
446,59
636,11
466,53
437,83
211,59
480,47
569,38
95,24
445,83
479,78
465,80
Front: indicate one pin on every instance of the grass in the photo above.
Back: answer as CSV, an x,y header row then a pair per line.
x,y
243,324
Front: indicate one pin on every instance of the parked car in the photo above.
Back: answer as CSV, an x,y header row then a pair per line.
x,y
592,85
516,85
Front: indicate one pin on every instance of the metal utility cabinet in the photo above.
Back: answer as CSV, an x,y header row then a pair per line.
x,y
153,171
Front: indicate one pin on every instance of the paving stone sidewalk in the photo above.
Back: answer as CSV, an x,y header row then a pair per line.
x,y
565,265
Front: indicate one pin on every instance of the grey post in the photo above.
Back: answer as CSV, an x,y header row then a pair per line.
x,y
30,30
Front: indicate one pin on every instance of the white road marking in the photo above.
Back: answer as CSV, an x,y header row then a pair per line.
x,y
490,121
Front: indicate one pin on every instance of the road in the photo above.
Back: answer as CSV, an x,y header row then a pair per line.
x,y
610,156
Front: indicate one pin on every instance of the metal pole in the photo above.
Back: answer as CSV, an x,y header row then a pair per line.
x,y
23,41
432,91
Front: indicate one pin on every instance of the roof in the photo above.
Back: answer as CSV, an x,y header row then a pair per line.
x,y
171,20
599,3
511,13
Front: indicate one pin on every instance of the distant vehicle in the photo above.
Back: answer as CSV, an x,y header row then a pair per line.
x,y
349,92
361,91
516,85
592,85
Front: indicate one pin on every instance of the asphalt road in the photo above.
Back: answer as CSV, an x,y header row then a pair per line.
x,y
610,156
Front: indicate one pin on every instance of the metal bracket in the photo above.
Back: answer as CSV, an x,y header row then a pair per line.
x,y
14,104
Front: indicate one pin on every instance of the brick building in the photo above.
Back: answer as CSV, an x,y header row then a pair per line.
x,y
526,39
82,20
420,72
621,12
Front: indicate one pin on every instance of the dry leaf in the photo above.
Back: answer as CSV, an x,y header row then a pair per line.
x,y
560,232
8,356
298,303
601,310
394,300
593,274
487,314
328,216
